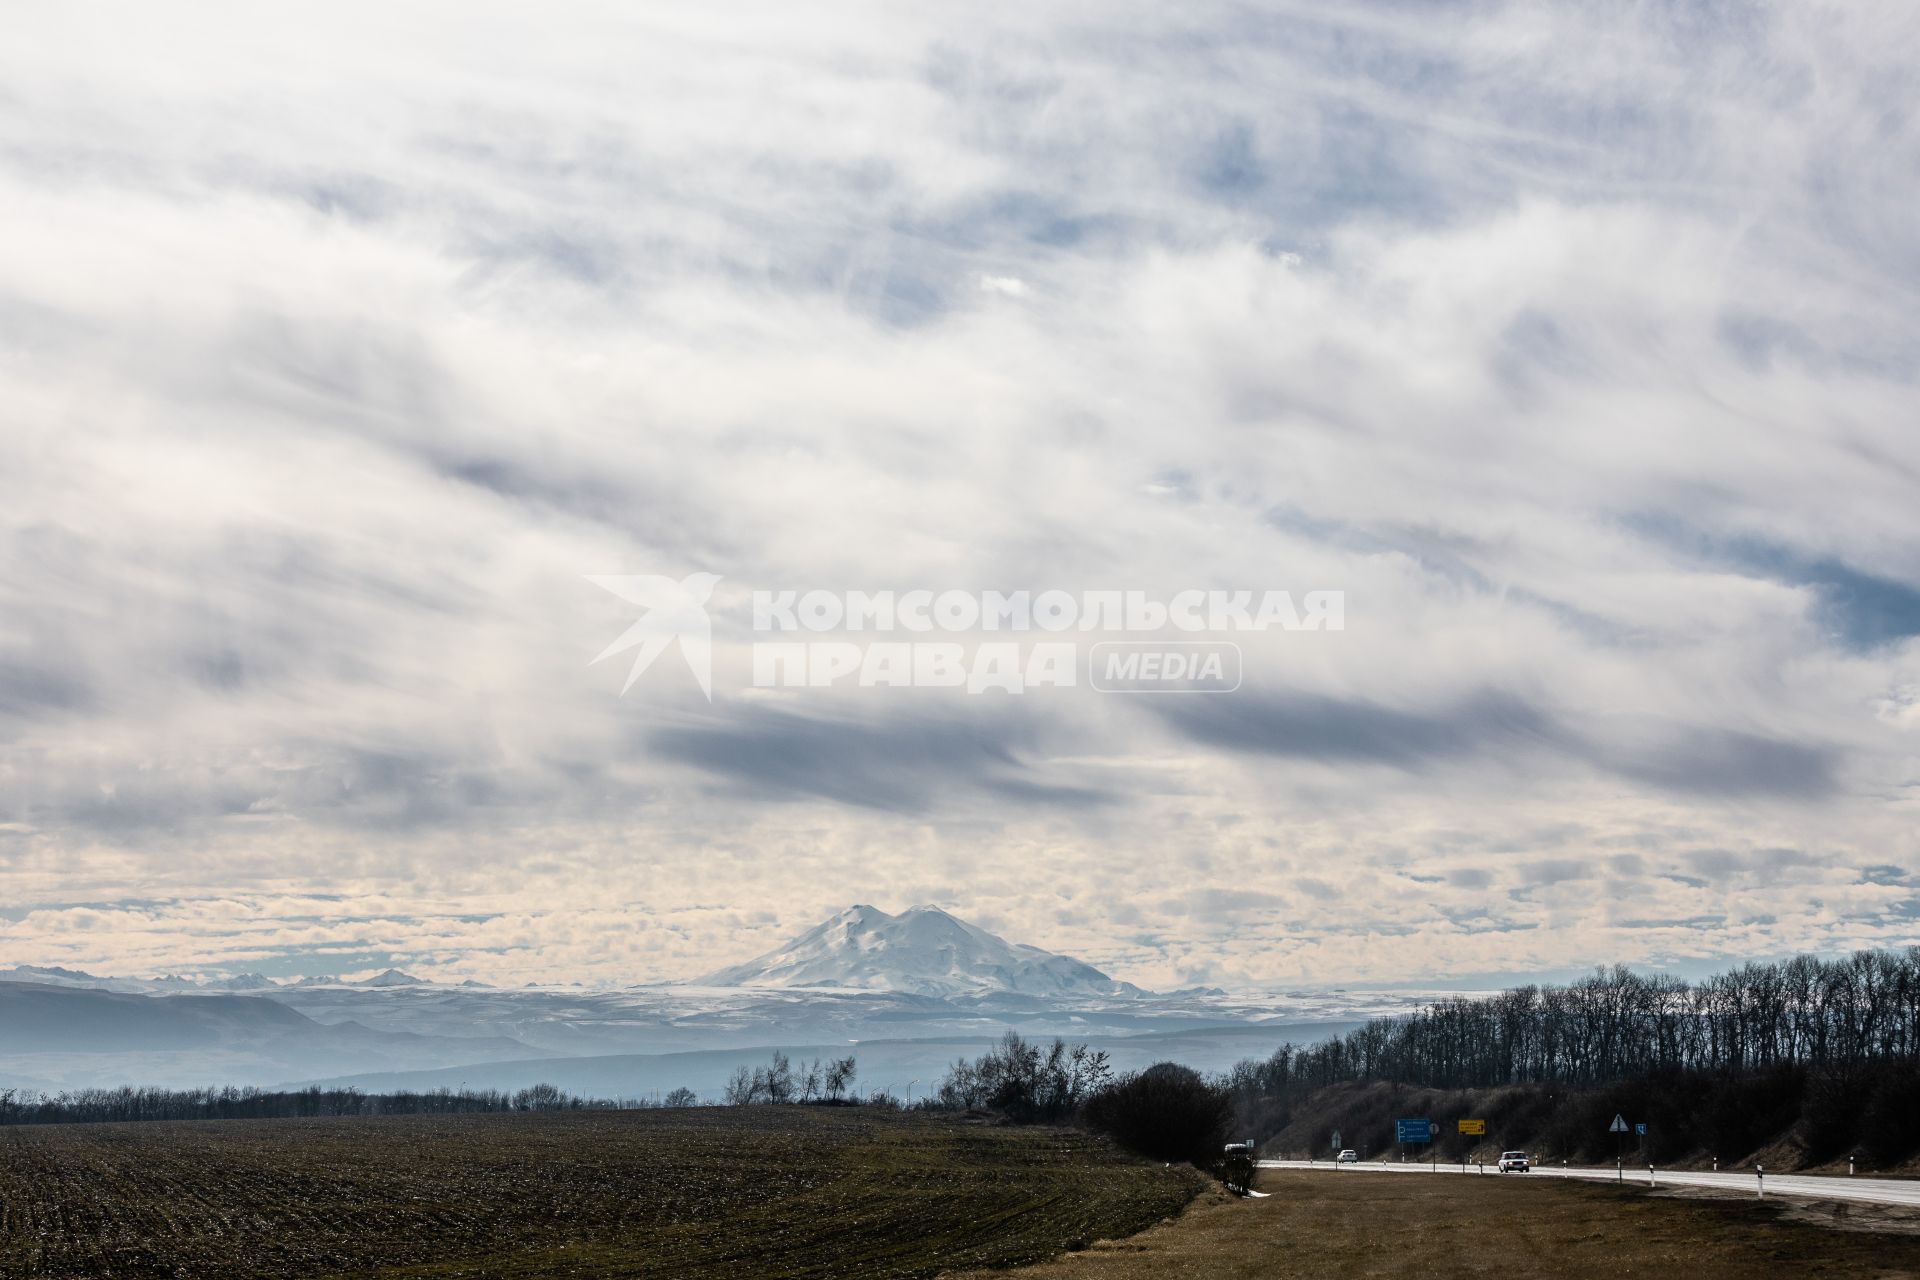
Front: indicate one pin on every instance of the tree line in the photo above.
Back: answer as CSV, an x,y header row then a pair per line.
x,y
781,1082
1025,1082
1835,1017
1166,1112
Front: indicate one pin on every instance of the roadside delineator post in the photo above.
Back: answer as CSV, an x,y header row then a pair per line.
x,y
1650,1181
1849,1166
1760,1183
1619,1170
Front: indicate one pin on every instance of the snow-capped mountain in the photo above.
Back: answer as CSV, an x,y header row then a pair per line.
x,y
243,982
391,978
922,951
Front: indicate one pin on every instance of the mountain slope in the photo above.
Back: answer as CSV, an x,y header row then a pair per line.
x,y
42,1018
79,1036
924,951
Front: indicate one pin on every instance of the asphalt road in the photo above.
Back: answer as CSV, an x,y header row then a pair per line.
x,y
1867,1190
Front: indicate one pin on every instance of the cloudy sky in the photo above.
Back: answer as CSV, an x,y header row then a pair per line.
x,y
1574,343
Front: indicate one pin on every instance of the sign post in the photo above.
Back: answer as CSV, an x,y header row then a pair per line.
x,y
1411,1131
1618,1128
1470,1129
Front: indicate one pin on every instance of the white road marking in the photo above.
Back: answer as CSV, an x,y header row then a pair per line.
x,y
1836,1187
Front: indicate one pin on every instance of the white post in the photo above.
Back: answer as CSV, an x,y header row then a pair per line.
x,y
1716,1164
1849,1166
1619,1169
1650,1181
1760,1183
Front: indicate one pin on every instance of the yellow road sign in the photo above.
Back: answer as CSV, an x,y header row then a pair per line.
x,y
1477,1128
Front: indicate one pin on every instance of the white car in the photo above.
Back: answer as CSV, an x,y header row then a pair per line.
x,y
1513,1162
1349,1156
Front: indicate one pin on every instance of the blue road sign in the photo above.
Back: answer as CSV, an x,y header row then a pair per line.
x,y
1413,1131
1640,1129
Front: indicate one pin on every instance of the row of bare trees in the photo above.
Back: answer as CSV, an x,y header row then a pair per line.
x,y
1830,1016
1024,1081
782,1081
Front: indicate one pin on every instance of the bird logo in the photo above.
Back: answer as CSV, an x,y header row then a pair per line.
x,y
675,611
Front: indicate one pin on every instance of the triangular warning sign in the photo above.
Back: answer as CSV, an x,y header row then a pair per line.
x,y
1619,1124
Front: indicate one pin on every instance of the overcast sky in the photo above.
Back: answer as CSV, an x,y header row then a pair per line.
x,y
1575,343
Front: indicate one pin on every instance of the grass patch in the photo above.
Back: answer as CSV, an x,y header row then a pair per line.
x,y
1315,1225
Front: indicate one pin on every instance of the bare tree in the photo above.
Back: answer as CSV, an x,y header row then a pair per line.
x,y
839,1079
740,1088
779,1079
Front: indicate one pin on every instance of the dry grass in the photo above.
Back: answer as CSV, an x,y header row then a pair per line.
x,y
1317,1225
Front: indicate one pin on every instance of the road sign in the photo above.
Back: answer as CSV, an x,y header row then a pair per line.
x,y
1413,1131
1640,1129
1336,1139
1619,1124
1478,1128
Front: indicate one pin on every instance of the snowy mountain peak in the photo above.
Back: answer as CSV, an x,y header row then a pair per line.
x,y
47,973
391,978
244,982
924,951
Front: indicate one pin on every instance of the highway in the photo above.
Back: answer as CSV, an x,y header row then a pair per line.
x,y
1865,1190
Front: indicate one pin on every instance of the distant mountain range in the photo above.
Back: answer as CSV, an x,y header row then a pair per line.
x,y
68,1034
922,951
912,991
173,983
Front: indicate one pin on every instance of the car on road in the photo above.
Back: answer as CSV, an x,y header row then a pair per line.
x,y
1349,1156
1513,1162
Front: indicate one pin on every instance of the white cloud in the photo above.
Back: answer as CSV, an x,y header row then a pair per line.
x,y
335,355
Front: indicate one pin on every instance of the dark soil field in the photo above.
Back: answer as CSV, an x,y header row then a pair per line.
x,y
1313,1226
738,1192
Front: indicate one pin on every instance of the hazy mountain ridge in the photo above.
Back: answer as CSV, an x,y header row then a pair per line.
x,y
173,983
74,1035
862,977
922,951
